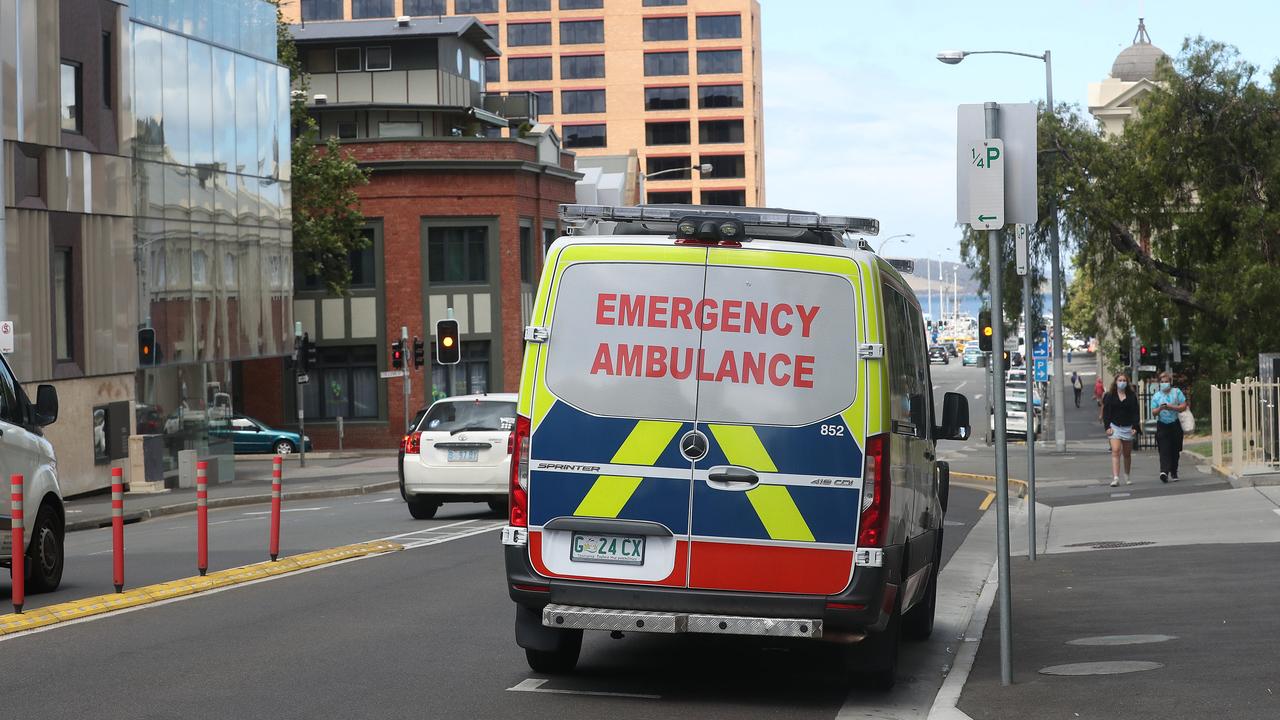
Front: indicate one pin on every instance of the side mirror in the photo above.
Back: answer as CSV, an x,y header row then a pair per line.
x,y
46,410
955,418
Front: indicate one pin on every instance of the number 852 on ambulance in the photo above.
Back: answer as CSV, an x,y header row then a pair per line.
x,y
725,426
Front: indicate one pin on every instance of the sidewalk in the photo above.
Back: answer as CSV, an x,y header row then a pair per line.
x,y
321,478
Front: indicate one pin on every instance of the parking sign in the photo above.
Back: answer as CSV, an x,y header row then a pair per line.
x,y
6,337
1040,368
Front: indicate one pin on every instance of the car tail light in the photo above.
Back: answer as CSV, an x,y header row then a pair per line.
x,y
873,526
412,444
518,446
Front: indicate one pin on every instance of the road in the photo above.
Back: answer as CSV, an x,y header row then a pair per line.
x,y
422,632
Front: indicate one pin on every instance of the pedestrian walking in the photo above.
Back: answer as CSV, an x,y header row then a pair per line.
x,y
1068,356
1097,395
1120,418
1166,403
1077,386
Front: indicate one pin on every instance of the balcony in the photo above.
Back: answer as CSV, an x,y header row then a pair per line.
x,y
516,106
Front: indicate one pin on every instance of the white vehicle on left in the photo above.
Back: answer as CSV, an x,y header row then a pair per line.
x,y
25,451
458,452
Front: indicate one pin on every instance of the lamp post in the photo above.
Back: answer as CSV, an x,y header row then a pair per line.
x,y
892,237
953,57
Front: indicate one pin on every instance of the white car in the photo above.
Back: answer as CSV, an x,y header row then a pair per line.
x,y
1015,423
25,451
459,453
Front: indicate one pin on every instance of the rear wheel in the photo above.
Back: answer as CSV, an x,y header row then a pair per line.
x,y
45,556
422,509
284,447
874,661
917,624
561,660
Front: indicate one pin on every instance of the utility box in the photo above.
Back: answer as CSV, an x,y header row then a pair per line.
x,y
186,468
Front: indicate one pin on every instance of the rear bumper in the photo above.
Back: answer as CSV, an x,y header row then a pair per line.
x,y
482,480
863,606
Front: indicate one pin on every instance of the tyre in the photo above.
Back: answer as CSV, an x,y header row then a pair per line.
x,y
873,663
283,447
45,556
423,509
559,661
499,505
917,623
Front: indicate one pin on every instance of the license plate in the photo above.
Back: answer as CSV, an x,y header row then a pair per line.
x,y
464,456
618,549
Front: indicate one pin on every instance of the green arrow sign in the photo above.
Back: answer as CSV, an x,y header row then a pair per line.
x,y
985,218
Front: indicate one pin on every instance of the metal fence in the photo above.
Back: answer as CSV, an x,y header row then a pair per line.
x,y
1245,427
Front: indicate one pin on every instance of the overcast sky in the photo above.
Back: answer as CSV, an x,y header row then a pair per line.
x,y
860,117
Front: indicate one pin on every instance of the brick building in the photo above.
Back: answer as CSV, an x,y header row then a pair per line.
x,y
457,221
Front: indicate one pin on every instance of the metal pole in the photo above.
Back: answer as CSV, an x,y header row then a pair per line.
x,y
404,339
1055,264
1031,424
996,263
298,360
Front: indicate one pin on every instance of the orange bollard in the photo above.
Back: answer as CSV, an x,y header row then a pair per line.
x,y
202,516
19,561
277,471
117,528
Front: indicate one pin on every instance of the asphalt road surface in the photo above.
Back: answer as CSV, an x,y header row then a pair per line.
x,y
426,632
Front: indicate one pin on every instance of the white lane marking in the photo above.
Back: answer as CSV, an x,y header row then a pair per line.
x,y
535,685
429,529
100,552
72,512
1276,510
374,502
978,396
285,510
466,533
237,520
1120,495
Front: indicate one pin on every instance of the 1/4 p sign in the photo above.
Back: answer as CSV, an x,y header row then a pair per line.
x,y
986,185
6,337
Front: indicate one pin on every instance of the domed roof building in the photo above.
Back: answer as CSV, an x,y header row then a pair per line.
x,y
1113,101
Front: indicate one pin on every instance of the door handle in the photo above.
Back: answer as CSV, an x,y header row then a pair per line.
x,y
732,477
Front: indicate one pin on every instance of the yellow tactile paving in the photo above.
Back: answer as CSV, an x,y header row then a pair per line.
x,y
86,607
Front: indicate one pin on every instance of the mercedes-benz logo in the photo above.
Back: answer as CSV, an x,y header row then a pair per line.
x,y
693,445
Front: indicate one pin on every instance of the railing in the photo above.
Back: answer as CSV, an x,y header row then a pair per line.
x,y
516,105
1245,427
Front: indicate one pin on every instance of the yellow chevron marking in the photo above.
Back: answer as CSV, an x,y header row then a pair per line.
x,y
781,518
772,503
643,446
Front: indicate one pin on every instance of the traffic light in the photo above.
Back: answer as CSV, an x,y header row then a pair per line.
x,y
397,355
306,354
419,352
1126,357
985,330
146,347
448,342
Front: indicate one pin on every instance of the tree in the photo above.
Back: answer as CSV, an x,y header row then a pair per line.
x,y
326,209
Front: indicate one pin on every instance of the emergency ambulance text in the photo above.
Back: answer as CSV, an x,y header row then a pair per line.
x,y
674,312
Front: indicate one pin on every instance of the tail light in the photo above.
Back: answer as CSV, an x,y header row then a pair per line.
x,y
518,446
873,525
412,444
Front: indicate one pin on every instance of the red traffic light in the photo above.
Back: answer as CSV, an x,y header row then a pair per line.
x,y
1143,351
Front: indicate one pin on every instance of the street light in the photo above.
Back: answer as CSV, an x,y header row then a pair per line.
x,y
704,168
953,57
891,237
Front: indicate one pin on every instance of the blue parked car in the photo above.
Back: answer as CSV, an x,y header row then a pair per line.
x,y
250,436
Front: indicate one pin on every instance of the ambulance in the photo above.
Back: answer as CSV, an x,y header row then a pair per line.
x,y
726,426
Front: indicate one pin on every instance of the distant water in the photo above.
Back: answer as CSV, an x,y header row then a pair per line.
x,y
969,305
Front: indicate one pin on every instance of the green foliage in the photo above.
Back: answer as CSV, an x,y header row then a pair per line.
x,y
326,209
1079,313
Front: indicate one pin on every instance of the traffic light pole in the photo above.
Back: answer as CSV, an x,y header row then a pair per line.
x,y
1031,420
404,342
299,360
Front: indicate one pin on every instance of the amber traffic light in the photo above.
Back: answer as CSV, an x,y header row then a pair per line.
x,y
448,342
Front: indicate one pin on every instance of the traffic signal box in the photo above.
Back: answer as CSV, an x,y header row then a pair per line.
x,y
146,347
448,342
397,355
985,330
419,352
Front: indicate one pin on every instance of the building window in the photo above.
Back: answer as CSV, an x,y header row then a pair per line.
x,y
521,34
584,136
667,133
724,197
468,377
719,96
666,98
493,29
725,166
72,105
344,383
671,197
474,7
574,67
200,268
664,3
672,167
399,129
528,68
28,172
425,7
372,9
62,303
720,131
526,253
666,28
458,254
363,272
711,27
347,130
546,102
716,62
549,235
574,102
108,57
492,70
581,32
666,63
321,9
581,4
528,5
346,59
377,58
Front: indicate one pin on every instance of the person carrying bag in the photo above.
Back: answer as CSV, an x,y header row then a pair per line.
x,y
1168,405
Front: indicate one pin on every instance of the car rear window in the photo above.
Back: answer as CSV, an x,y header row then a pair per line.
x,y
459,415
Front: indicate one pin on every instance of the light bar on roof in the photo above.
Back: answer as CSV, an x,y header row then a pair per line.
x,y
836,223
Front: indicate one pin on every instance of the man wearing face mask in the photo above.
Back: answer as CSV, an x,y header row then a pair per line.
x,y
1166,403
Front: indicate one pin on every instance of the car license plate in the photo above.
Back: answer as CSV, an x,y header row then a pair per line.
x,y
619,549
464,456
